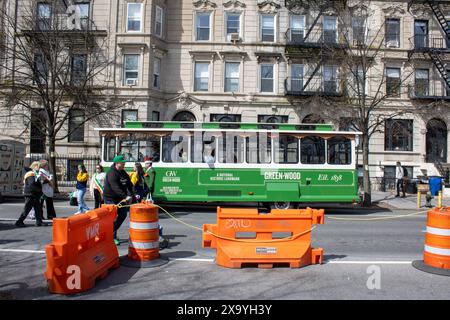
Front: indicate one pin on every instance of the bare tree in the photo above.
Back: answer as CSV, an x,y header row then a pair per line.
x,y
56,61
369,89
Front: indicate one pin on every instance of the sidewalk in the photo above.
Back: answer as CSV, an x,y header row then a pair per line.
x,y
388,200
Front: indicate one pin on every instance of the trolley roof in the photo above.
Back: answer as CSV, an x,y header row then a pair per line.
x,y
140,126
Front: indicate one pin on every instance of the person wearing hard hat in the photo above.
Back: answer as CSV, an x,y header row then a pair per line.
x,y
118,189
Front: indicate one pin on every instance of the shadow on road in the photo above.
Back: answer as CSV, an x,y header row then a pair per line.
x,y
329,257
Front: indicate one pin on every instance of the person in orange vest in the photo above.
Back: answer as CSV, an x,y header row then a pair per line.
x,y
82,180
96,186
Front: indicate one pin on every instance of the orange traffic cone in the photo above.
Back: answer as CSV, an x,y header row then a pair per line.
x,y
436,255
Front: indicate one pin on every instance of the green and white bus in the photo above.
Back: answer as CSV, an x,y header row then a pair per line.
x,y
279,165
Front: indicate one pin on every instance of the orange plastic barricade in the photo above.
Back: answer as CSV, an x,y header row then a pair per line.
x,y
243,237
436,255
82,251
143,248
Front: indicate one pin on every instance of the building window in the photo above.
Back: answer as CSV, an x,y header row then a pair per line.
x,y
201,81
203,26
392,29
398,135
159,21
350,124
420,34
37,136
76,125
393,82
43,16
330,79
359,81
297,29
267,77
129,115
134,17
267,118
155,115
232,76
40,69
156,73
214,117
72,169
83,11
359,30
233,23
297,71
79,69
268,28
422,82
184,116
131,70
329,29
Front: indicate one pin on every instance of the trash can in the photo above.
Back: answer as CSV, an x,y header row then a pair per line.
x,y
411,186
435,185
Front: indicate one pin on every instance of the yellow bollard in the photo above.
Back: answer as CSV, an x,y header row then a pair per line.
x,y
419,196
440,199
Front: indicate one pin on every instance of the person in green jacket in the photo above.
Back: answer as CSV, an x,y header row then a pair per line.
x,y
150,175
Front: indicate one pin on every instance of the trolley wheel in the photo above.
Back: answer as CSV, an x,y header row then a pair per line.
x,y
283,205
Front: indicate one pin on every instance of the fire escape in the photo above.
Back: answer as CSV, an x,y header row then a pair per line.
x,y
314,52
436,48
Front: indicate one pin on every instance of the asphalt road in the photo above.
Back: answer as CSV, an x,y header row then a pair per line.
x,y
353,250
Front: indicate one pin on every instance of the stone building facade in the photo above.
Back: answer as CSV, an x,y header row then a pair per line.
x,y
278,61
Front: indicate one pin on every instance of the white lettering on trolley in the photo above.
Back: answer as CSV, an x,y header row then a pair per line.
x,y
276,175
92,231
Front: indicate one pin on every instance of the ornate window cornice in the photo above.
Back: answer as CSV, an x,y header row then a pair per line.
x,y
268,6
234,4
394,9
204,4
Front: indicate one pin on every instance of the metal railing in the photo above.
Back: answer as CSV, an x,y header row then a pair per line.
x,y
426,42
66,166
430,90
315,37
317,85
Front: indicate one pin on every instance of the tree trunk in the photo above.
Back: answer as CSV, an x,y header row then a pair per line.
x,y
367,200
52,162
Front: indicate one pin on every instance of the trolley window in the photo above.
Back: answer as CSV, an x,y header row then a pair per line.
x,y
259,148
139,148
230,148
175,147
286,149
312,150
339,150
203,148
109,151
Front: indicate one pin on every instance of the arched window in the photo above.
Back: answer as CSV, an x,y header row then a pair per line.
x,y
184,116
398,135
339,150
313,118
312,150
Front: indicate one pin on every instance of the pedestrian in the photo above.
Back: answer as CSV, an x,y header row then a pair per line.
x,y
138,180
400,178
33,192
150,175
82,180
118,189
96,186
47,189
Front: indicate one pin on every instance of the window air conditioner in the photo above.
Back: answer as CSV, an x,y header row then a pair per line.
x,y
233,37
392,44
131,82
